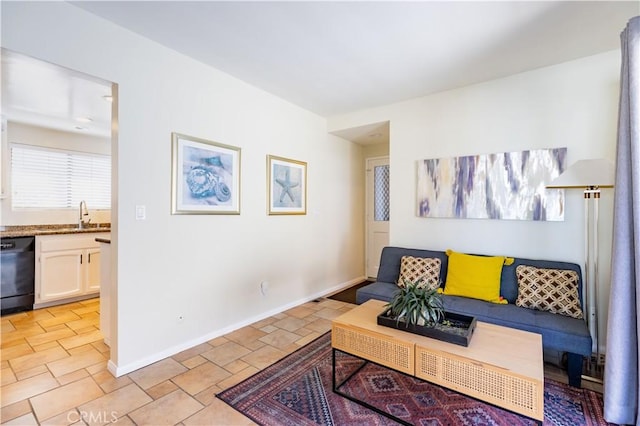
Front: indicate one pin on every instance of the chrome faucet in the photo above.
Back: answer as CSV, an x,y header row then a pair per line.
x,y
83,212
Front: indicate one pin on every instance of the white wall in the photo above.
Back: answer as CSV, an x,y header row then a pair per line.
x,y
205,268
572,105
377,150
18,133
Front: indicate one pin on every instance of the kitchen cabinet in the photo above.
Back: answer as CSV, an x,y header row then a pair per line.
x,y
67,268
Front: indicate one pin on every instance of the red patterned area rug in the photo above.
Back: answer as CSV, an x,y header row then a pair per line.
x,y
297,390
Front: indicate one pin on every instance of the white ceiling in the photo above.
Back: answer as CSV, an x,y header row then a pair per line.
x,y
337,57
328,57
45,95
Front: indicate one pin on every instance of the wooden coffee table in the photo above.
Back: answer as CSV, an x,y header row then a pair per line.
x,y
502,366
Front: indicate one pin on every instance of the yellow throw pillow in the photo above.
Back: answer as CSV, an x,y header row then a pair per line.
x,y
477,277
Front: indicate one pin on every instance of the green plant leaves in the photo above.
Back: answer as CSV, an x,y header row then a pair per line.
x,y
412,304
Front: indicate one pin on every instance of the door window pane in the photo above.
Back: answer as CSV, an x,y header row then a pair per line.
x,y
381,193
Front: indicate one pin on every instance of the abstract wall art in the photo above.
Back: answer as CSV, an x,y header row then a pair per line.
x,y
287,186
508,185
205,177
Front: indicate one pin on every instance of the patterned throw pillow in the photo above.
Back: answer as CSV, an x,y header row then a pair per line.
x,y
422,270
552,290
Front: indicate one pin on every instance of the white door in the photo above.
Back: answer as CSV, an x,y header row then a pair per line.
x,y
378,194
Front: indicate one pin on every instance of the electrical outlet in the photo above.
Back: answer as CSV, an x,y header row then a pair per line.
x,y
141,212
264,287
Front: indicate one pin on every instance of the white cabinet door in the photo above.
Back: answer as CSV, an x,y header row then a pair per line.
x,y
61,275
92,268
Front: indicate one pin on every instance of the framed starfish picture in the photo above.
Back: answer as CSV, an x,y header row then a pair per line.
x,y
287,186
205,177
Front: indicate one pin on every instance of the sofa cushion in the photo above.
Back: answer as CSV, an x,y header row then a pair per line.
x,y
552,290
559,332
477,277
423,271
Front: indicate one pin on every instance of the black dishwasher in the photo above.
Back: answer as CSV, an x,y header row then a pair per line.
x,y
17,267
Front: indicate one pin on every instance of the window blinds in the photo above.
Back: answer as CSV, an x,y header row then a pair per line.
x,y
44,178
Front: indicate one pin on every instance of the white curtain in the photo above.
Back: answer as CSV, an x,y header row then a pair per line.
x,y
621,367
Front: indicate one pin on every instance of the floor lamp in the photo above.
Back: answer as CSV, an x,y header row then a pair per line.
x,y
590,176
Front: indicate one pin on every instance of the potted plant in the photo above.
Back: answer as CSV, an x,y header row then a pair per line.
x,y
420,310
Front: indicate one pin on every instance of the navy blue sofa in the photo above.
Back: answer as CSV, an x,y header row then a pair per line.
x,y
559,333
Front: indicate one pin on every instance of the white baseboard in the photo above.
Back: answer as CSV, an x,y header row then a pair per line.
x,y
121,370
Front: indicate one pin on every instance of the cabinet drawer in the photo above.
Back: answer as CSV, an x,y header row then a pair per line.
x,y
68,242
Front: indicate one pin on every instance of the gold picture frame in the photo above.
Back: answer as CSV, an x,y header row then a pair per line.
x,y
205,176
286,186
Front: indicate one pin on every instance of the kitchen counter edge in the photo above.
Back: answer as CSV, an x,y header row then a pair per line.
x,y
26,231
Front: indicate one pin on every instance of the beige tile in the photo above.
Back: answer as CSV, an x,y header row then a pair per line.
x,y
7,327
245,336
56,327
161,389
263,323
96,368
12,411
81,339
102,347
51,336
18,337
65,398
308,338
208,395
238,377
300,312
88,329
280,338
269,329
72,377
75,362
37,358
223,355
15,351
27,388
45,346
30,372
236,366
218,413
60,319
191,352
7,376
328,314
290,323
194,362
303,331
201,377
69,417
83,323
87,309
170,409
112,406
321,325
108,383
26,420
157,373
264,357
218,341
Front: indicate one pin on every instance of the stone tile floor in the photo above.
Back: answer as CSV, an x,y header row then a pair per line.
x,y
54,368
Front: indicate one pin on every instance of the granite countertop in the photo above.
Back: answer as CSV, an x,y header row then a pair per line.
x,y
34,230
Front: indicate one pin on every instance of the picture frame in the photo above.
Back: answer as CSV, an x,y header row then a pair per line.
x,y
205,176
287,186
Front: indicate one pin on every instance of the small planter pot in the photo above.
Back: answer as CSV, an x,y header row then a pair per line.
x,y
454,328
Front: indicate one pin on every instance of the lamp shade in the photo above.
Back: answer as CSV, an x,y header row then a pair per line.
x,y
585,173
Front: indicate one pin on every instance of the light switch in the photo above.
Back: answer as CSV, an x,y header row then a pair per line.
x,y
141,212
